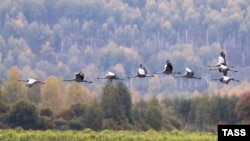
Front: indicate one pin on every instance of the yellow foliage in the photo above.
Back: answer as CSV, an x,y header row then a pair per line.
x,y
53,93
76,93
13,90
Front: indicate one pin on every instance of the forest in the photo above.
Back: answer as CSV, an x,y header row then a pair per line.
x,y
51,40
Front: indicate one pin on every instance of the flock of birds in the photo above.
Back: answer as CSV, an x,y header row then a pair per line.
x,y
221,66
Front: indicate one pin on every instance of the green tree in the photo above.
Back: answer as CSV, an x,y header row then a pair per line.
x,y
171,120
138,114
13,90
153,114
200,111
125,100
94,115
79,109
3,106
46,112
112,108
223,109
23,114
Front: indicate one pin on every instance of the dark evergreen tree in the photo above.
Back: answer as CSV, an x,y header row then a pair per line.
x,y
94,115
112,108
47,112
3,107
23,114
153,114
138,114
125,100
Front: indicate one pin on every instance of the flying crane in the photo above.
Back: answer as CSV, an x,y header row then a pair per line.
x,y
226,79
110,76
30,82
168,69
142,72
188,74
224,69
79,77
221,60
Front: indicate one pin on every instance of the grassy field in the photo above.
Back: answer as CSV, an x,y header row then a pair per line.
x,y
105,135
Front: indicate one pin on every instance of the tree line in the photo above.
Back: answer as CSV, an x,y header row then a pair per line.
x,y
57,105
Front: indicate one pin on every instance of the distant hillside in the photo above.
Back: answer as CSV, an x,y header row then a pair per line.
x,y
51,37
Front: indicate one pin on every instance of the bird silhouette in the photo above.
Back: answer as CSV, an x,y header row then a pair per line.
x,y
168,69
110,76
221,60
224,69
142,72
226,79
30,82
79,77
188,74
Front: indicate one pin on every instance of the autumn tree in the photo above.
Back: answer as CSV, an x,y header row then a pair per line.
x,y
65,113
13,90
76,93
242,108
53,93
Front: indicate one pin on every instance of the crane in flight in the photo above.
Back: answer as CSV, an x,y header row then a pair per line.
x,y
221,60
79,77
30,82
226,79
168,69
142,72
224,69
188,74
110,76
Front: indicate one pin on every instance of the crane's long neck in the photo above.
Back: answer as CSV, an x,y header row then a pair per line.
x,y
196,77
68,80
133,76
101,78
176,72
216,79
87,81
159,72
150,76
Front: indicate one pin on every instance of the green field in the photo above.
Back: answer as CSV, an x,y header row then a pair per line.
x,y
105,135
